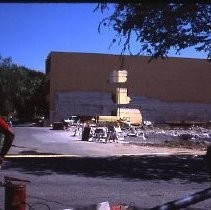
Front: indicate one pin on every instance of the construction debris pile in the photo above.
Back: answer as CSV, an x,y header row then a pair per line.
x,y
179,136
173,136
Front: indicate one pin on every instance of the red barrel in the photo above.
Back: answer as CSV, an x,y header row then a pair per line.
x,y
15,196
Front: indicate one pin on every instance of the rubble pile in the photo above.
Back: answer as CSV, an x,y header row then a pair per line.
x,y
192,137
148,134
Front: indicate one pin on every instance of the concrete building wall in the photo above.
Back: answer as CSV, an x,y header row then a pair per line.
x,y
177,88
82,103
159,111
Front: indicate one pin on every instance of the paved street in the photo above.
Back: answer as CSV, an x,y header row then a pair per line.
x,y
85,173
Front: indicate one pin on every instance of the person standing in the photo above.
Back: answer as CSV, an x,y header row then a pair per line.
x,y
86,132
10,120
9,135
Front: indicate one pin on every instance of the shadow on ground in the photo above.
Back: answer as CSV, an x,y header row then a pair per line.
x,y
188,168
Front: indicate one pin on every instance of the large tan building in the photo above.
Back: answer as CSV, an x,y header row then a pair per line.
x,y
164,90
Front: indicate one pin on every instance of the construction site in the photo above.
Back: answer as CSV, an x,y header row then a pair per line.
x,y
102,88
164,90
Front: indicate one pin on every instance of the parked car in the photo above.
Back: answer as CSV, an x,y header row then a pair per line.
x,y
58,126
39,121
71,120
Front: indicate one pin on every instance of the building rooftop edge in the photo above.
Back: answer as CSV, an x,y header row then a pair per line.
x,y
144,56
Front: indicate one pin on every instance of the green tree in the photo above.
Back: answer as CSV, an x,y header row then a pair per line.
x,y
21,90
159,27
5,85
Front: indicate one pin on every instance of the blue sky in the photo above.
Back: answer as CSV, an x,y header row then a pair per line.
x,y
29,32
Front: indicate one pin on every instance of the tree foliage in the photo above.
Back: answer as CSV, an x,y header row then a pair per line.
x,y
22,91
159,27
